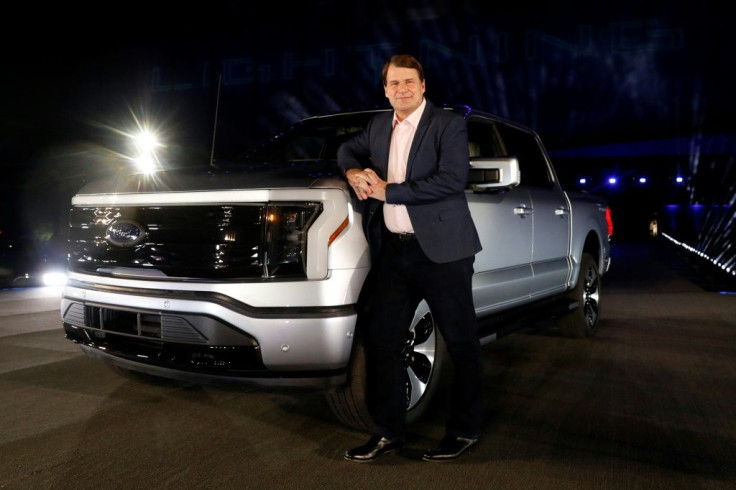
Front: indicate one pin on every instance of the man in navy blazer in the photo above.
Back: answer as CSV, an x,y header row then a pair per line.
x,y
411,167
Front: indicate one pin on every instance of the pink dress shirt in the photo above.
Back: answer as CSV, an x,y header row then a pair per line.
x,y
395,215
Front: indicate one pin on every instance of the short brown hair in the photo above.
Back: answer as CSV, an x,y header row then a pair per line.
x,y
402,61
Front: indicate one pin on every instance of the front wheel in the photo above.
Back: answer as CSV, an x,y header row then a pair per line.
x,y
582,320
425,359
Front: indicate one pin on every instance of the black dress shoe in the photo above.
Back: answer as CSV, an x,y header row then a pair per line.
x,y
450,448
375,447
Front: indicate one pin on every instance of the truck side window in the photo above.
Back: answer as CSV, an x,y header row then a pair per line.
x,y
483,140
532,162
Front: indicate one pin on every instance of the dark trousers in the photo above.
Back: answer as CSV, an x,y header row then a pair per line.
x,y
405,275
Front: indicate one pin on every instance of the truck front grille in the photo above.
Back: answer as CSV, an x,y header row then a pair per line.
x,y
212,242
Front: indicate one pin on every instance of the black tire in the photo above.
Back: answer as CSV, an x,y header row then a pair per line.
x,y
426,361
582,321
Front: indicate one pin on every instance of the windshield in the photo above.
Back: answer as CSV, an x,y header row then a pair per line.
x,y
311,140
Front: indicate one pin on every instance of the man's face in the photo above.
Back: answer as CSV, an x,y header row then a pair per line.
x,y
403,90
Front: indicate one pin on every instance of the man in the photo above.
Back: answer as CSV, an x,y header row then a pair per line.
x,y
423,241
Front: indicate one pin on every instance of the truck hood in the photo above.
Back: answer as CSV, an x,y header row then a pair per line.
x,y
255,176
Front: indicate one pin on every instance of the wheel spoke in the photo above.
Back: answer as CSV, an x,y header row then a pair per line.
x,y
415,388
423,329
591,312
421,366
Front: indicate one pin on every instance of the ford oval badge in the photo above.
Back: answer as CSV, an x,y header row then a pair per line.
x,y
125,233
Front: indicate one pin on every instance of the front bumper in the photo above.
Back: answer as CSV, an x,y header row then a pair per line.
x,y
205,336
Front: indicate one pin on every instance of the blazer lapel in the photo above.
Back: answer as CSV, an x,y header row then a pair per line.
x,y
419,135
384,137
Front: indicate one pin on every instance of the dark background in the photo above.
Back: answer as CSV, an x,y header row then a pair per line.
x,y
632,89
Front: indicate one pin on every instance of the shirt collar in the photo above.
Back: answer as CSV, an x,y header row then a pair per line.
x,y
415,116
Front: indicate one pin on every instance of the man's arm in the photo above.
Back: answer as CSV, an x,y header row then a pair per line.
x,y
349,156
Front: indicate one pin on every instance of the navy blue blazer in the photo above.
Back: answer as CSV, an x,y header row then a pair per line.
x,y
434,189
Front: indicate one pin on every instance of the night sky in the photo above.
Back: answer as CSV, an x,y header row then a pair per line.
x,y
635,82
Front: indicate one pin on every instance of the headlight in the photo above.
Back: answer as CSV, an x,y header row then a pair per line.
x,y
285,237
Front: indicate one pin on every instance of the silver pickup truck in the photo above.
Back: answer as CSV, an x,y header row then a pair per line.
x,y
252,272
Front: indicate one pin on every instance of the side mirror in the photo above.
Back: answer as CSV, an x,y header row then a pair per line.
x,y
493,173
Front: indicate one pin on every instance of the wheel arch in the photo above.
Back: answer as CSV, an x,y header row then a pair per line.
x,y
593,245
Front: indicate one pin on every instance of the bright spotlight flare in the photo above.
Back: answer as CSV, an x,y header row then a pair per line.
x,y
146,144
54,278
